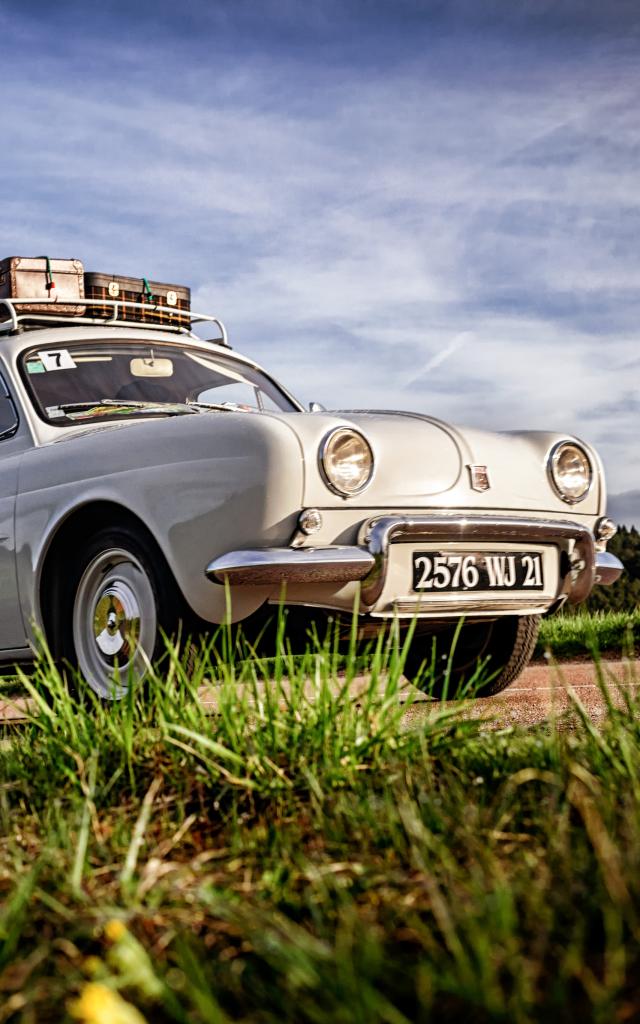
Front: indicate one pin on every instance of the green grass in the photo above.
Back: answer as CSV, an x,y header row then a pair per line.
x,y
568,636
301,857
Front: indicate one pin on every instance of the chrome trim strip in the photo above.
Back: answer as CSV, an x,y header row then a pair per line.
x,y
474,605
291,565
377,534
608,568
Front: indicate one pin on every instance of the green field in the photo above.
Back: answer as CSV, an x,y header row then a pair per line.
x,y
301,857
583,633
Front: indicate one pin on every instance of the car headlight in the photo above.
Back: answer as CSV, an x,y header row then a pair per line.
x,y
571,471
346,461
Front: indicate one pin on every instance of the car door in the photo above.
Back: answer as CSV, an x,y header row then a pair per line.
x,y
13,440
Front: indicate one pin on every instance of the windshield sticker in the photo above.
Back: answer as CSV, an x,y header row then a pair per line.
x,y
35,366
54,412
57,359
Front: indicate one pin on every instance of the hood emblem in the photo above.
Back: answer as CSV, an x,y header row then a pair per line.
x,y
479,478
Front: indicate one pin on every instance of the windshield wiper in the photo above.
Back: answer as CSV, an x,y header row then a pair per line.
x,y
163,408
112,405
222,406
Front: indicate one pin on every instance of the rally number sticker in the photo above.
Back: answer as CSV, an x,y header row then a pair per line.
x,y
57,359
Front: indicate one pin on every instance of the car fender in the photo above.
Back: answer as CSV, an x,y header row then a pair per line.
x,y
200,484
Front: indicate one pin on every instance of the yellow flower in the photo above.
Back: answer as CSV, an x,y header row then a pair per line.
x,y
92,965
114,930
100,1005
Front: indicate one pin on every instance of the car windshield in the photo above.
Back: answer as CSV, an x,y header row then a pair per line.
x,y
85,381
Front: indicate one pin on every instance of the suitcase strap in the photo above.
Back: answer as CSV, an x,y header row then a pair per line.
x,y
50,283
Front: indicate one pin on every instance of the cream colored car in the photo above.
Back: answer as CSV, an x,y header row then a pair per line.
x,y
148,477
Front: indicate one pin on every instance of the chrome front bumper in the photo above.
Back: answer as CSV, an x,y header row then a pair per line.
x,y
581,566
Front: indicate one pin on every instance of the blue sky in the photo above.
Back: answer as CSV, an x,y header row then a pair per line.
x,y
431,206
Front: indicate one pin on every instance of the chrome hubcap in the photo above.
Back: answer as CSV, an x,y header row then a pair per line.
x,y
114,622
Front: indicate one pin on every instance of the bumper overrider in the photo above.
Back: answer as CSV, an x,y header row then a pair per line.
x,y
581,565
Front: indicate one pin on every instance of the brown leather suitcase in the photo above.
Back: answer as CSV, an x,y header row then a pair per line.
x,y
24,277
168,304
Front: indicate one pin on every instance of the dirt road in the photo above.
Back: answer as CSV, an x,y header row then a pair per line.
x,y
544,691
541,692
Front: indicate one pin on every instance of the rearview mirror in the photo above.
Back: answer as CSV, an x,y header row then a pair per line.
x,y
316,407
151,367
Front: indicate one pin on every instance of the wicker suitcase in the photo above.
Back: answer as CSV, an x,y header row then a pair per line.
x,y
23,277
168,304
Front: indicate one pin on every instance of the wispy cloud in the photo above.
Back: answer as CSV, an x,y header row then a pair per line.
x,y
440,357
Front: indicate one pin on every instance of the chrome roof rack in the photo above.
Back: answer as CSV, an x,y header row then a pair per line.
x,y
44,319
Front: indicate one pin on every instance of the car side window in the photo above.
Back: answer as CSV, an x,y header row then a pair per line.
x,y
8,413
236,392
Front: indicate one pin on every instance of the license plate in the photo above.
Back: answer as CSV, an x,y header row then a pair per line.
x,y
489,570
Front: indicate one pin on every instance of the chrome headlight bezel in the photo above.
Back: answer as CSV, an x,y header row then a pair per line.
x,y
323,453
553,460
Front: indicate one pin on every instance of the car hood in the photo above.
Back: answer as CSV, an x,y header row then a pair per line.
x,y
420,461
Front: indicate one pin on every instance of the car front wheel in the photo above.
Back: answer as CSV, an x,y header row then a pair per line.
x,y
503,647
119,598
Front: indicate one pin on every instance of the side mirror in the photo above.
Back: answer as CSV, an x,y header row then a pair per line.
x,y
316,407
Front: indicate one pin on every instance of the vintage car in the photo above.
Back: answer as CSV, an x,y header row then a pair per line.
x,y
150,478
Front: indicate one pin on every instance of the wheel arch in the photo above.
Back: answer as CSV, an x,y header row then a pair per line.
x,y
73,530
